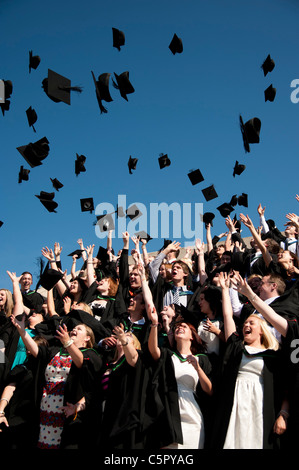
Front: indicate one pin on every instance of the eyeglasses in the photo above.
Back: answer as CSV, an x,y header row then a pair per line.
x,y
267,282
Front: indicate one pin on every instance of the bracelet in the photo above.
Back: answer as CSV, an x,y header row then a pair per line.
x,y
252,299
4,399
68,343
125,344
284,413
154,325
2,413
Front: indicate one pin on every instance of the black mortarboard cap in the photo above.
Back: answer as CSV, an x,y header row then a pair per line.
x,y
32,117
49,278
195,176
1,223
209,193
47,200
118,38
165,244
132,164
35,152
34,61
79,164
58,88
268,65
105,222
87,204
207,218
8,87
250,132
76,252
164,161
123,84
133,212
270,93
176,45
102,254
56,184
102,90
186,315
243,200
238,168
234,200
225,209
23,174
144,235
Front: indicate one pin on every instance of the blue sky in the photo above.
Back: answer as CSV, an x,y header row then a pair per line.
x,y
185,105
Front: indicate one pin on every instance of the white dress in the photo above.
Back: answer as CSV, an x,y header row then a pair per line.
x,y
212,341
245,430
191,416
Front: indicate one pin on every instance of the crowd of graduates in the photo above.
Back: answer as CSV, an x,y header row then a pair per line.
x,y
184,349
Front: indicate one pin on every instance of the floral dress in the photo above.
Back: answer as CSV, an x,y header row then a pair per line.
x,y
51,415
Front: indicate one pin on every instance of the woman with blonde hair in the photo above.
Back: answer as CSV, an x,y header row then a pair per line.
x,y
249,394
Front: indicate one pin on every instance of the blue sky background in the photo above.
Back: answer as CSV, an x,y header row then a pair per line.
x,y
185,105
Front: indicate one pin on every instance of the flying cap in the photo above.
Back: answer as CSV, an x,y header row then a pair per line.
x,y
250,132
268,65
234,200
8,88
87,204
164,161
35,152
23,174
143,235
118,38
77,253
176,45
47,200
209,193
225,209
102,89
105,222
238,168
49,278
133,212
32,117
243,200
195,177
123,84
56,184
79,164
270,93
132,164
34,61
58,88
207,218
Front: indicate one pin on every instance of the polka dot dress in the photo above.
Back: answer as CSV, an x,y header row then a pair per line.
x,y
51,416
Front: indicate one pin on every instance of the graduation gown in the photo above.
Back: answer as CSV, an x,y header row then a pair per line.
x,y
224,394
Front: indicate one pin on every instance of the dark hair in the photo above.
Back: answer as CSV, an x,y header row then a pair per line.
x,y
197,345
213,295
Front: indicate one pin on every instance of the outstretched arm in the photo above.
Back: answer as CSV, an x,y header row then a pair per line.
x,y
229,324
248,223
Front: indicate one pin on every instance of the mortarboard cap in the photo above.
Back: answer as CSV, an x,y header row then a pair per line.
x,y
56,184
123,84
209,193
238,168
143,235
47,200
79,164
58,88
132,164
186,315
105,222
234,200
176,45
268,65
250,132
225,209
77,253
49,278
270,93
118,38
1,223
34,61
102,255
5,102
207,218
23,174
35,152
195,177
87,204
120,212
164,161
32,117
133,212
243,200
102,90
165,244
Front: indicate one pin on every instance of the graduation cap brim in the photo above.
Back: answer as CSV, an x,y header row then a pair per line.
x,y
209,193
34,153
208,218
238,169
176,45
143,235
56,184
49,278
132,163
76,252
58,88
102,89
123,84
133,212
105,222
225,209
87,204
195,177
118,38
164,161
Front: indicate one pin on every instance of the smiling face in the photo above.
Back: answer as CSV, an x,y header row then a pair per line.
x,y
26,281
134,278
204,305
75,287
136,304
267,288
291,231
3,298
183,332
34,319
103,286
80,336
285,259
252,331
